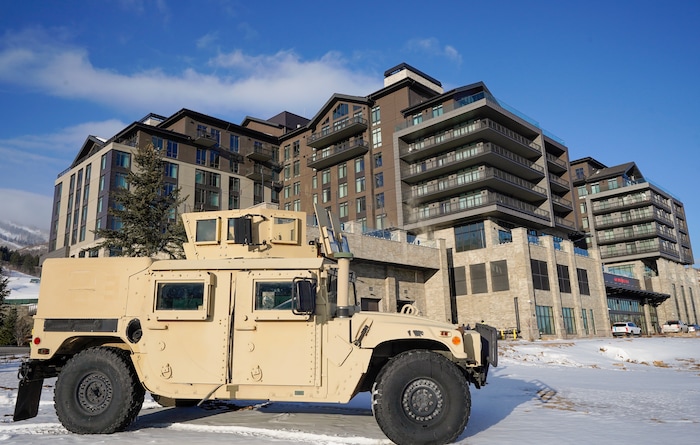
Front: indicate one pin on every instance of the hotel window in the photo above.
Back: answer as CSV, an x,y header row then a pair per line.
x,y
170,170
595,188
314,198
612,184
437,111
582,190
470,237
379,180
583,287
287,172
297,168
342,190
314,181
376,137
343,209
379,200
214,159
545,319
417,119
360,185
234,142
326,194
342,170
569,320
540,276
287,192
103,162
378,160
325,177
380,221
340,111
120,181
563,278
157,143
477,273
296,147
297,188
361,205
359,165
376,116
122,159
201,158
286,152
499,275
297,205
171,149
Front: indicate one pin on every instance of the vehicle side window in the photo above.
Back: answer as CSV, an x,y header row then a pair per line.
x,y
273,295
180,296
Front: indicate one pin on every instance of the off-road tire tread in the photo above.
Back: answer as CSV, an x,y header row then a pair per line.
x,y
127,384
409,366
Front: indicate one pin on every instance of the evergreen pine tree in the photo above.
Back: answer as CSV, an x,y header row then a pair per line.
x,y
7,331
149,223
4,289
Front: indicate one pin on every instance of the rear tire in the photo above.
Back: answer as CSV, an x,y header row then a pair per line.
x,y
421,397
98,392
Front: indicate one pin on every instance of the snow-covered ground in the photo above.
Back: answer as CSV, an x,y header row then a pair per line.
x,y
641,390
21,286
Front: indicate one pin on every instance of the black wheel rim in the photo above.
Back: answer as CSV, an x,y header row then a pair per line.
x,y
95,393
422,400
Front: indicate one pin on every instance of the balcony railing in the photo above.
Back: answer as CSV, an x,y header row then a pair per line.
x,y
461,204
563,202
342,152
633,249
454,134
648,214
445,185
556,161
463,154
559,181
337,132
636,233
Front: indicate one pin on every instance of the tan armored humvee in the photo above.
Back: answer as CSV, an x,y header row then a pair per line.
x,y
254,312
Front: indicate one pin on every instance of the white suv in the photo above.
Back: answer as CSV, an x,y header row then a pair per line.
x,y
674,326
626,328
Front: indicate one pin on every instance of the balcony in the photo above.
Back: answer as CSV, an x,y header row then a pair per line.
x,y
561,204
466,133
205,139
648,214
326,157
634,234
258,172
635,250
261,153
478,179
629,201
558,184
487,153
556,165
564,223
463,204
337,133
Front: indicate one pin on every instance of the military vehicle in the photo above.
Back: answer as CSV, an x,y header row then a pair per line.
x,y
254,312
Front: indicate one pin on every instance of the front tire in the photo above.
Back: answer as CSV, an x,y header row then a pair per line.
x,y
421,397
98,392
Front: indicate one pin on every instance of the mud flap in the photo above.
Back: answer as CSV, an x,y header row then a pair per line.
x,y
29,393
489,351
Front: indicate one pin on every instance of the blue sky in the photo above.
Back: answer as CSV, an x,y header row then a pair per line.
x,y
618,81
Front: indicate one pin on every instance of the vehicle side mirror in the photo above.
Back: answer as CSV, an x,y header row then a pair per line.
x,y
304,296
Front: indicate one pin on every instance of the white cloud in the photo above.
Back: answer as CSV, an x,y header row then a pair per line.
x,y
432,47
26,208
237,83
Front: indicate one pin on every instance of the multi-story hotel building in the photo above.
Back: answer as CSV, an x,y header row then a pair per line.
x,y
216,164
642,234
454,201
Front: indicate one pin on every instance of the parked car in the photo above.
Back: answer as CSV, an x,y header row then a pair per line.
x,y
674,327
693,328
626,328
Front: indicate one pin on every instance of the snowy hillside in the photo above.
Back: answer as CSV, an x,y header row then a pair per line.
x,y
22,286
16,236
